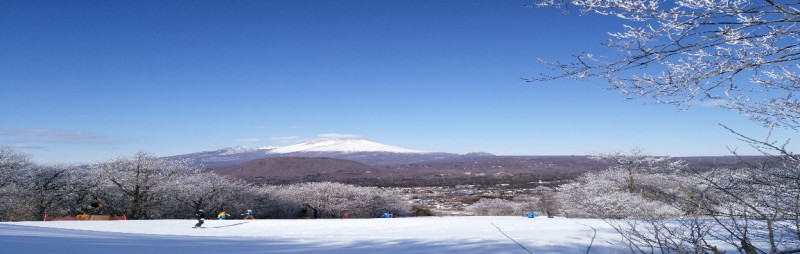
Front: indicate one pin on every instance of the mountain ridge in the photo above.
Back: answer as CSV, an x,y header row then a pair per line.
x,y
517,171
359,150
370,163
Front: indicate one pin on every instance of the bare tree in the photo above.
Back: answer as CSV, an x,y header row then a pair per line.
x,y
148,187
761,203
741,54
330,200
635,162
754,209
10,162
494,207
211,192
47,188
142,178
547,202
606,194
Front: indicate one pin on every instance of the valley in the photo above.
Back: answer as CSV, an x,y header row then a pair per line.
x,y
367,163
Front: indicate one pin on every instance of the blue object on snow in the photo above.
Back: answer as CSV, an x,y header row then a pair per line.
x,y
531,215
387,215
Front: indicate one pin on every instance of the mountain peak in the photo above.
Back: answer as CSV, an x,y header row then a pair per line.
x,y
235,150
342,145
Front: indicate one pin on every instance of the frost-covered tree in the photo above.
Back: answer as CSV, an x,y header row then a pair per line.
x,y
330,200
10,162
144,181
46,189
677,235
276,201
605,195
148,187
92,192
494,207
665,215
635,185
743,55
759,205
198,191
211,192
754,208
546,200
635,162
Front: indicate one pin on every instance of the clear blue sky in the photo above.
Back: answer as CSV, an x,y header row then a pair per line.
x,y
85,81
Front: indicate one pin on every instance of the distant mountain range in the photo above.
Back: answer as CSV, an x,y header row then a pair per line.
x,y
359,150
365,162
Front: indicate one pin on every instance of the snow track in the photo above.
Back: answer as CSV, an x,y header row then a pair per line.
x,y
512,239
231,225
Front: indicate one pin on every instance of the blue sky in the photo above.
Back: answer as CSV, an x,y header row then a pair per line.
x,y
85,81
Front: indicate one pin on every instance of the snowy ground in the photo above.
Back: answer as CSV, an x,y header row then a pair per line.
x,y
398,235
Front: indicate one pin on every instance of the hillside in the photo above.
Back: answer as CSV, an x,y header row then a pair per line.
x,y
513,170
298,169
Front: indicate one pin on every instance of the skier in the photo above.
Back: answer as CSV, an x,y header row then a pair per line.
x,y
249,215
200,216
223,215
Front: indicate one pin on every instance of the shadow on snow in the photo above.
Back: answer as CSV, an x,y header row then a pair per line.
x,y
26,239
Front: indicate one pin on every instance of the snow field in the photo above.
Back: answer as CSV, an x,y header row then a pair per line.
x,y
398,235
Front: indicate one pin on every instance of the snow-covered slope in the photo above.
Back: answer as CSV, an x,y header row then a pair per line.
x,y
342,146
464,235
236,150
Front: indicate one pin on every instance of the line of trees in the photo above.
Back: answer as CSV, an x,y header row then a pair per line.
x,y
144,186
660,205
660,208
654,202
741,55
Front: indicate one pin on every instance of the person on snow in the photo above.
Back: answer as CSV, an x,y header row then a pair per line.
x,y
387,215
249,215
200,216
223,215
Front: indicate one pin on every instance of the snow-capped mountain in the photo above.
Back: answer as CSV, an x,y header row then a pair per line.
x,y
236,150
342,146
223,157
360,150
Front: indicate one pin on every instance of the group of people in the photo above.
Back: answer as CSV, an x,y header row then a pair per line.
x,y
201,216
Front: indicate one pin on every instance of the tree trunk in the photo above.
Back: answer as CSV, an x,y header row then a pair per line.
x,y
773,248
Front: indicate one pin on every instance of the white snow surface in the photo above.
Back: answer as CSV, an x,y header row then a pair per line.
x,y
346,145
237,150
396,235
